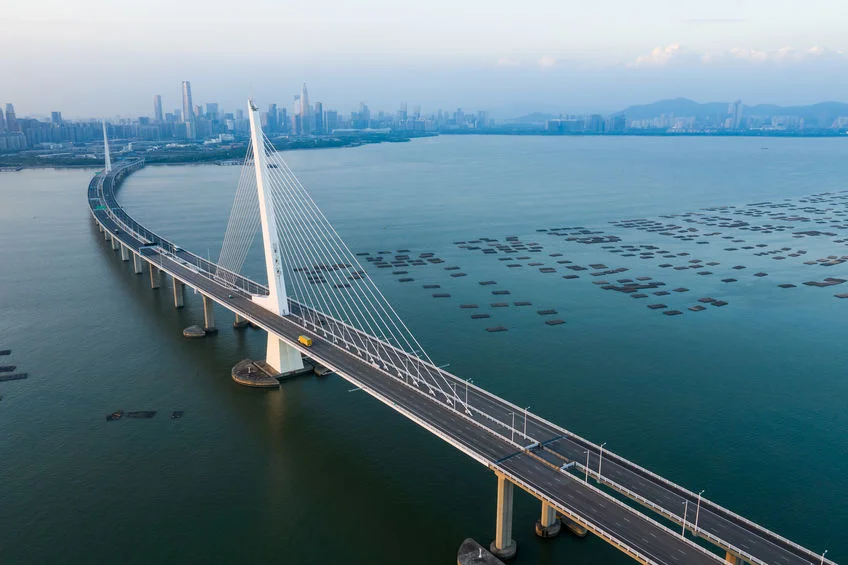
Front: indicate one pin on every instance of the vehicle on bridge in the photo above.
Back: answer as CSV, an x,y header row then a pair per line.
x,y
305,340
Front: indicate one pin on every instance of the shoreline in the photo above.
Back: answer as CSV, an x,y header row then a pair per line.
x,y
223,156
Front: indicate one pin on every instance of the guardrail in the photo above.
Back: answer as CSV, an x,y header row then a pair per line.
x,y
107,184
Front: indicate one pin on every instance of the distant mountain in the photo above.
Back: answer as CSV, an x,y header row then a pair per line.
x,y
822,114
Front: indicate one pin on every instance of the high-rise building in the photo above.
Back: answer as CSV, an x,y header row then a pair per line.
x,y
284,120
188,111
2,122
273,120
56,118
212,111
734,115
157,108
319,117
305,117
11,121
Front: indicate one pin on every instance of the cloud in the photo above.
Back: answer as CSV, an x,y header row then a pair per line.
x,y
546,61
660,56
675,53
784,54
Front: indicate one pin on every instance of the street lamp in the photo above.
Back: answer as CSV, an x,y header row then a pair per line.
x,y
512,437
823,554
525,422
698,511
587,466
685,508
601,461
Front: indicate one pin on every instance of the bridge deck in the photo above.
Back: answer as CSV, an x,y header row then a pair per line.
x,y
486,434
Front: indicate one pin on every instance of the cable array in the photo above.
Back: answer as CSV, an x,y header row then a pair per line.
x,y
329,291
243,223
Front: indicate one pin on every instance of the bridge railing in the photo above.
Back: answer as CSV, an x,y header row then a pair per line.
x,y
107,184
595,528
670,515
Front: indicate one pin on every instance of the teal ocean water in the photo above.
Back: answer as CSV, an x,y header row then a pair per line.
x,y
746,401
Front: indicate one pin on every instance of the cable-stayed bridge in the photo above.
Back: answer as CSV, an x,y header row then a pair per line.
x,y
317,288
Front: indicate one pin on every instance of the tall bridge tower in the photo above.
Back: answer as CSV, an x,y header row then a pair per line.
x,y
107,167
280,355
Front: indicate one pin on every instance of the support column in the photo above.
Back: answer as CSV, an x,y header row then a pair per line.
x,y
548,525
730,558
179,300
209,315
240,323
125,253
155,276
137,264
106,235
115,243
504,546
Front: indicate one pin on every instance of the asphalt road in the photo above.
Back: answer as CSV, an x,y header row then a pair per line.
x,y
486,427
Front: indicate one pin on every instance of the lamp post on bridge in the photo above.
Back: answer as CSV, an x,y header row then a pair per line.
x,y
600,461
467,411
685,508
525,422
512,428
823,554
587,466
698,510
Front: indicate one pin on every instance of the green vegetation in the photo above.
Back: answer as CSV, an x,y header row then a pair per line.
x,y
204,154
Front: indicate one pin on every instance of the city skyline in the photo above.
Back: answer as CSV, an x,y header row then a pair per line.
x,y
495,56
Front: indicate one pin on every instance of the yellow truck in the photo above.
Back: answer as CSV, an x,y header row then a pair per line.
x,y
305,340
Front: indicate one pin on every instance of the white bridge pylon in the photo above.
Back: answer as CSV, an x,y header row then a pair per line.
x,y
314,278
280,355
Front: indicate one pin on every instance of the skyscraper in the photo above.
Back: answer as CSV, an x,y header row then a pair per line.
x,y
188,111
2,122
273,120
305,117
212,111
56,118
11,120
734,115
319,117
157,108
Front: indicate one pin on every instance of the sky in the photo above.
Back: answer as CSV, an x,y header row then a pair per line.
x,y
91,58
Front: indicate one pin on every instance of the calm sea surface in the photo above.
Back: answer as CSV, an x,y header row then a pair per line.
x,y
748,401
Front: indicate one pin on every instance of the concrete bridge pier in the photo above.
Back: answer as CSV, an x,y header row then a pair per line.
x,y
209,315
504,547
548,526
155,276
137,264
179,300
125,253
106,235
115,243
240,323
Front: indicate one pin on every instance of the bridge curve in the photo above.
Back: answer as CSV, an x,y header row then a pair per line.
x,y
544,459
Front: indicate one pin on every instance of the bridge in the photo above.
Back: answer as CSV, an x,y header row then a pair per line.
x,y
318,289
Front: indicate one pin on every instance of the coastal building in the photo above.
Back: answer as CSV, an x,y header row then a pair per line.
x,y
188,111
11,121
305,117
157,108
